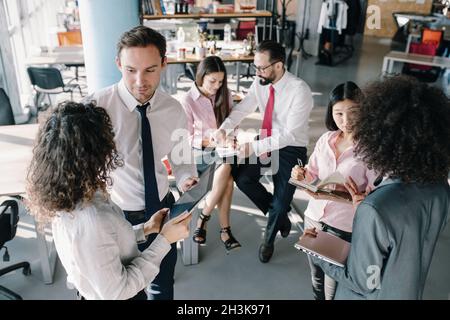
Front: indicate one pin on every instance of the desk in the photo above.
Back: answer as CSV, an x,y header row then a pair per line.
x,y
59,55
16,143
190,58
400,56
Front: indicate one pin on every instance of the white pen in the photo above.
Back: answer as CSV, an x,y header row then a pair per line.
x,y
300,164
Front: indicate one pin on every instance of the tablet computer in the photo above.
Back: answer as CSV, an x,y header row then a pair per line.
x,y
325,246
192,197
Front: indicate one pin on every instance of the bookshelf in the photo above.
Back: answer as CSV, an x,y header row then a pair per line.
x,y
144,7
254,14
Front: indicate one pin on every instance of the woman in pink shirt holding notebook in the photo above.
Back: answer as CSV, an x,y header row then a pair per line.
x,y
207,104
334,153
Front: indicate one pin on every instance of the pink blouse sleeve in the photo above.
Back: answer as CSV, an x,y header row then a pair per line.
x,y
313,162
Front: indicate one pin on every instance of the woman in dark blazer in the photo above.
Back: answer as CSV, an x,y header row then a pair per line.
x,y
403,132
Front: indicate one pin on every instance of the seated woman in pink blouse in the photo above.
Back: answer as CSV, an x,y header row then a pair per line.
x,y
334,152
207,104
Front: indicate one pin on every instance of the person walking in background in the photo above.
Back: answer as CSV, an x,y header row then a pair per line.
x,y
402,131
334,152
207,104
286,102
144,120
67,185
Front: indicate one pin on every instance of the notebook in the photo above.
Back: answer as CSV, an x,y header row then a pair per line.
x,y
335,178
325,246
338,195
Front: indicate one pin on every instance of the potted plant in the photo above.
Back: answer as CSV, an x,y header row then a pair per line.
x,y
201,50
212,43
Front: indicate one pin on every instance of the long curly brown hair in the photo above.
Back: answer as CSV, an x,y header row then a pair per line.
x,y
72,157
403,130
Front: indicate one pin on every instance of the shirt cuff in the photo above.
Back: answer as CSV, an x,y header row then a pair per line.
x,y
215,135
160,244
197,142
183,178
139,233
257,146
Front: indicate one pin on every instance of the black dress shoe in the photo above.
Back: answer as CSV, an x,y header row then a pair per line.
x,y
286,229
265,252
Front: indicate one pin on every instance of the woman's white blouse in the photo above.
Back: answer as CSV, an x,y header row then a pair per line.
x,y
98,249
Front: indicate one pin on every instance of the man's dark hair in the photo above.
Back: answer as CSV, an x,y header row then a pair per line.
x,y
275,50
142,36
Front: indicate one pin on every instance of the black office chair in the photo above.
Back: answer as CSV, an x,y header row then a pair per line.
x,y
47,81
9,218
6,113
190,70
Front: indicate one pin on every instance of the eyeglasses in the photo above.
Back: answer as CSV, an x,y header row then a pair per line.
x,y
262,69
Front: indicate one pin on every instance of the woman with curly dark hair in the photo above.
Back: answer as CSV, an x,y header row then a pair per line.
x,y
403,132
67,183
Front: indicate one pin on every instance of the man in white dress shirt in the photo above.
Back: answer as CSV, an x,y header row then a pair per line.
x,y
141,186
286,102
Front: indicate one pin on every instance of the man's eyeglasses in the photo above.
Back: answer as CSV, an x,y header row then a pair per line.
x,y
262,69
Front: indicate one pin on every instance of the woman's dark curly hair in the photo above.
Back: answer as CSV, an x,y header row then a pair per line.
x,y
72,157
403,130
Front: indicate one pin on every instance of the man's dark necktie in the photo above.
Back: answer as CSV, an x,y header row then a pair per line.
x,y
152,202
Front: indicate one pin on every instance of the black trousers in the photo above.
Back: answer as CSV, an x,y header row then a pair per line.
x,y
247,176
162,286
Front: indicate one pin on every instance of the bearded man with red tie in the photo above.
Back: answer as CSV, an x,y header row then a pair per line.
x,y
286,102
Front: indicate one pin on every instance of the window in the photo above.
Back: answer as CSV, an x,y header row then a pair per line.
x,y
31,24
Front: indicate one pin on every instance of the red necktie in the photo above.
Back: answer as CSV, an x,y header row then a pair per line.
x,y
267,121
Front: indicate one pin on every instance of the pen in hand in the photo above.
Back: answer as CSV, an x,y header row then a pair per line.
x,y
300,164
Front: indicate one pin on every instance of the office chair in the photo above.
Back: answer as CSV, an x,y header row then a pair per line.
x,y
70,39
429,45
6,113
190,70
9,218
47,81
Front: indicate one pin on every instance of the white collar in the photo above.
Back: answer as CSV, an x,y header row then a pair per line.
x,y
128,99
282,82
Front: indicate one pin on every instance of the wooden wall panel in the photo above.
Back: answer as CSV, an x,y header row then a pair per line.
x,y
388,26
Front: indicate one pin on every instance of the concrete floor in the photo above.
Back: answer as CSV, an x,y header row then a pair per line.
x,y
240,275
